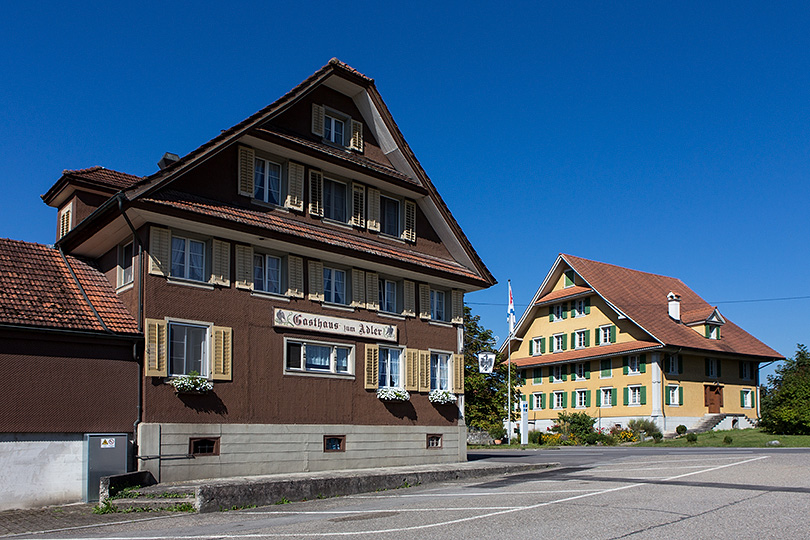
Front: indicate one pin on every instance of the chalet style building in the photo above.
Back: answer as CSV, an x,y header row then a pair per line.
x,y
621,344
301,262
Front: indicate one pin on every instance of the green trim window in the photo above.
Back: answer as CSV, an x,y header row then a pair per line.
x,y
559,400
569,278
635,396
582,371
537,346
747,399
606,368
674,395
537,377
581,307
583,398
607,397
673,364
581,339
560,342
606,334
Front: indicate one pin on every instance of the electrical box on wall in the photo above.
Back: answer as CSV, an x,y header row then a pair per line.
x,y
105,455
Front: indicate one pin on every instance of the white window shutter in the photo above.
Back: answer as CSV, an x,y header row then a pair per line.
x,y
409,300
247,160
457,305
222,362
295,187
295,276
155,353
160,241
412,370
358,288
64,220
317,120
424,301
409,232
315,193
458,373
373,221
424,371
372,291
221,263
358,205
316,281
372,367
357,136
244,267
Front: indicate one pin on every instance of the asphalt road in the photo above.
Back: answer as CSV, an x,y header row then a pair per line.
x,y
595,493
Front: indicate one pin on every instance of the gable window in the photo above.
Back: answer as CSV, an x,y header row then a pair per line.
x,y
333,129
439,371
713,331
266,273
580,339
569,279
335,200
537,346
390,368
582,307
188,349
606,334
319,357
389,216
334,285
559,400
388,295
607,397
437,309
188,258
267,181
125,255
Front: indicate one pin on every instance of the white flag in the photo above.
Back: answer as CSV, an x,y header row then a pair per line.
x,y
511,312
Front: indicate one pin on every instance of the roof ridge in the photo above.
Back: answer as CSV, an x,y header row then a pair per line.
x,y
565,255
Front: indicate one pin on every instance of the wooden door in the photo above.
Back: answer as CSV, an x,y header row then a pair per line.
x,y
713,398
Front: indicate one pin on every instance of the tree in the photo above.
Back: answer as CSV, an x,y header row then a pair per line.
x,y
485,394
786,399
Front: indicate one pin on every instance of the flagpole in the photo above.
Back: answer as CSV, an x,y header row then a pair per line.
x,y
509,367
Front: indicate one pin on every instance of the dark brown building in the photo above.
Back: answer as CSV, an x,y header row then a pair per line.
x,y
304,264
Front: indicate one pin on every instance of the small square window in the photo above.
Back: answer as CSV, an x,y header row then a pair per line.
x,y
334,443
203,446
434,441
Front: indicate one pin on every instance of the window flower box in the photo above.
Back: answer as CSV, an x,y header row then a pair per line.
x,y
193,383
393,394
442,397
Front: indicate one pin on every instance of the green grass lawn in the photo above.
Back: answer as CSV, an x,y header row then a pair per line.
x,y
743,438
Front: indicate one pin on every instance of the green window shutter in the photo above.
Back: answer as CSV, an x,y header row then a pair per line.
x,y
625,396
613,393
666,396
551,374
531,347
643,395
605,364
587,398
573,309
706,364
565,310
564,342
753,399
587,338
542,401
550,313
574,399
565,400
680,395
642,363
668,364
564,370
569,278
625,365
531,402
573,340
598,398
588,306
742,398
680,364
587,370
542,345
719,362
706,330
597,337
613,334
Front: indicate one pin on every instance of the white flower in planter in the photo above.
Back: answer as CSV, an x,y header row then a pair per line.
x,y
393,394
442,397
193,382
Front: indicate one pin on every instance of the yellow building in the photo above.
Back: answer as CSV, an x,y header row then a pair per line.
x,y
621,344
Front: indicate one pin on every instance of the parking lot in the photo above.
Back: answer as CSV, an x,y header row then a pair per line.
x,y
594,493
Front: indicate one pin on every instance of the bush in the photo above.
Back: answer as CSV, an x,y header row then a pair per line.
x,y
497,432
535,437
638,425
691,437
658,437
784,401
680,430
578,425
727,439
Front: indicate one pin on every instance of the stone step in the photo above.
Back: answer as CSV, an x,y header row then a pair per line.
x,y
153,503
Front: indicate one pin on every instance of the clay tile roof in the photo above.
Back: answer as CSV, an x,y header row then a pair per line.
x,y
697,315
561,294
105,177
281,224
643,298
37,289
592,352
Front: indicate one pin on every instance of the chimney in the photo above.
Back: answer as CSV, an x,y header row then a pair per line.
x,y
674,301
167,159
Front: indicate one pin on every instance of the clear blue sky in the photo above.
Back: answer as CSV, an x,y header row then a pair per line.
x,y
672,139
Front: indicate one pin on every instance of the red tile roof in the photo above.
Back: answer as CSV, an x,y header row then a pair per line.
x,y
105,177
311,231
561,294
37,289
643,298
601,351
697,315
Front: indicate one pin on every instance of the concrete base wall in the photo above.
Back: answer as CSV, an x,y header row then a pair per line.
x,y
40,469
258,449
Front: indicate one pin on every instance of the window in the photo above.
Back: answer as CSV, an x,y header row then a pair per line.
x,y
335,201
580,308
267,181
606,334
580,339
606,397
606,368
188,258
319,357
633,365
334,286
559,342
746,370
437,311
389,216
390,368
125,274
580,371
634,395
569,278
266,273
712,369
203,446
557,374
434,441
537,400
747,399
537,377
713,331
188,349
333,129
537,346
673,364
558,312
559,400
334,443
582,399
388,296
674,395
439,371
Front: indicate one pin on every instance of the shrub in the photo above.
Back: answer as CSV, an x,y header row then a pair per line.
x,y
535,437
691,437
639,425
784,401
727,439
552,439
497,432
680,430
576,424
658,437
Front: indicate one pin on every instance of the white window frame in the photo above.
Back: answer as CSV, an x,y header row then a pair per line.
x,y
633,363
558,399
385,301
714,330
384,221
558,311
400,383
329,206
123,279
582,398
263,287
674,395
303,368
435,314
330,293
604,334
579,308
558,341
445,358
579,338
266,190
748,399
536,346
713,368
579,367
556,373
330,133
634,396
606,392
187,243
537,401
205,352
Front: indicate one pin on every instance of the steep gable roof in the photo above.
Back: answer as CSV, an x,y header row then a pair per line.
x,y
95,178
41,288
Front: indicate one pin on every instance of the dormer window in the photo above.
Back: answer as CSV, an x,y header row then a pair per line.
x,y
713,331
333,129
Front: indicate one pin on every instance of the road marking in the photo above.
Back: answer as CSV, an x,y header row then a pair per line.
x,y
467,494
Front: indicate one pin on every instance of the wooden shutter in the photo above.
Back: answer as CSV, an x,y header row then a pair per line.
x,y
317,120
155,351
315,193
372,367
564,370
613,333
412,370
680,395
357,136
373,221
666,395
588,306
587,338
587,398
160,241
597,336
295,187
550,313
588,369
424,301
565,400
642,363
372,291
424,371
457,306
221,263
643,395
625,365
542,345
599,398
358,288
542,401
573,340
625,396
531,401
409,300
606,367
564,342
64,221
358,205
409,232
244,267
531,347
295,276
565,310
458,373
247,161
222,364
316,281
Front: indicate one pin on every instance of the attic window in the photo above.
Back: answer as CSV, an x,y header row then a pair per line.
x,y
569,278
333,129
713,331
337,128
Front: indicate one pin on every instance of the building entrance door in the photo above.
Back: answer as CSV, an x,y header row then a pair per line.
x,y
713,398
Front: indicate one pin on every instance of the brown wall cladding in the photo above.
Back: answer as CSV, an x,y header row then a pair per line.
x,y
67,384
260,391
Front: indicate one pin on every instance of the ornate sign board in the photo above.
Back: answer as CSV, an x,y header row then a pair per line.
x,y
334,325
486,361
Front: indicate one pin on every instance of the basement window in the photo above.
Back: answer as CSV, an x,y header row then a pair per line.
x,y
334,443
208,446
434,441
